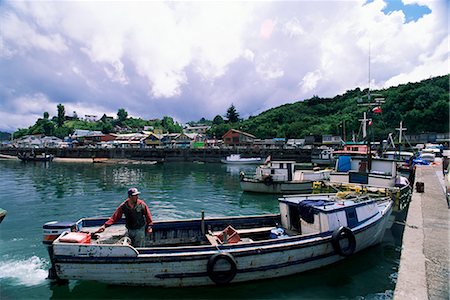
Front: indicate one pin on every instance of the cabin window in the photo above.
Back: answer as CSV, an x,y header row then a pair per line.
x,y
352,220
272,171
281,166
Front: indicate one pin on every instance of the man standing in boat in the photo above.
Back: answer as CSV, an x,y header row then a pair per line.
x,y
138,219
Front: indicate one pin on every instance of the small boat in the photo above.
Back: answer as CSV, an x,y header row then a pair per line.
x,y
2,214
282,177
361,173
33,157
428,155
311,232
237,159
322,157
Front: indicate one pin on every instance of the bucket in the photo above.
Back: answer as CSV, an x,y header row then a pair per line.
x,y
277,233
420,187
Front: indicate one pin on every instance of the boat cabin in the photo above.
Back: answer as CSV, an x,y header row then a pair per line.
x,y
377,172
321,213
288,171
353,149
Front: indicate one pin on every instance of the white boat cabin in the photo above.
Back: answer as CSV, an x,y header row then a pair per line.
x,y
381,172
287,171
320,213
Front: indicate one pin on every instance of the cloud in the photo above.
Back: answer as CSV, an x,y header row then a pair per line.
x,y
193,59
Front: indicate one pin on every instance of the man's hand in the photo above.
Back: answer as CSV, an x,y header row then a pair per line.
x,y
101,229
149,229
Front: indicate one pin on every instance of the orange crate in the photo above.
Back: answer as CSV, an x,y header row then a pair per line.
x,y
76,237
232,235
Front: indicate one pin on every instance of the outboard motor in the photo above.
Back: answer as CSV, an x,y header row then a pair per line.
x,y
51,231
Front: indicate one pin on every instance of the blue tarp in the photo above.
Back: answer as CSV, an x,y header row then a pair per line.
x,y
344,164
306,208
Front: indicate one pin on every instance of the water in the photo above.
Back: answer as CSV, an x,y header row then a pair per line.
x,y
35,193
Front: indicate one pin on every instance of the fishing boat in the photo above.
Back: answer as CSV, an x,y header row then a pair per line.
x,y
282,177
237,159
33,157
323,157
312,231
362,174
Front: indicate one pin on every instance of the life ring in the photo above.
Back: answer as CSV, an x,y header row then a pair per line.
x,y
340,234
268,180
221,277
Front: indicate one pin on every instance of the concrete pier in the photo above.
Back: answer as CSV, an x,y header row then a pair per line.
x,y
424,262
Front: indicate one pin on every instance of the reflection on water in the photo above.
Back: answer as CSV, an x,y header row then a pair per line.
x,y
37,193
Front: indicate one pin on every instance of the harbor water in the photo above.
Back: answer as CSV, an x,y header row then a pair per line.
x,y
35,193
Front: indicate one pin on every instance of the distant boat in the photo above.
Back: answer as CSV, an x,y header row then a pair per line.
x,y
237,159
428,154
311,232
322,157
2,214
282,177
33,157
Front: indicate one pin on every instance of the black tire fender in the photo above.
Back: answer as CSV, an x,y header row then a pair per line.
x,y
221,277
340,234
268,180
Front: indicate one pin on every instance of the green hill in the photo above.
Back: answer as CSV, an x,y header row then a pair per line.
x,y
422,106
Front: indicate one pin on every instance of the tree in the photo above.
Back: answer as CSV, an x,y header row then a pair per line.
x,y
232,115
218,120
46,115
61,115
122,115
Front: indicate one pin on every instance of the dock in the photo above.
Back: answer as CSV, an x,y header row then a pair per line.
x,y
424,262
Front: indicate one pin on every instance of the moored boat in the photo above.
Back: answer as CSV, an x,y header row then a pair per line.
x,y
312,231
33,157
282,177
364,173
237,159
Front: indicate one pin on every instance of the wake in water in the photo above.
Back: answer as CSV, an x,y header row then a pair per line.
x,y
28,272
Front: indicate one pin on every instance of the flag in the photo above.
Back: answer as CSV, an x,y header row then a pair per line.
x,y
370,122
377,110
267,160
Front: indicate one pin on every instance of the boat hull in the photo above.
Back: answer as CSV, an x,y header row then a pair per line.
x,y
188,266
292,187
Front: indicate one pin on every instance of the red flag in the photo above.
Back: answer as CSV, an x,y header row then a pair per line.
x,y
370,122
377,110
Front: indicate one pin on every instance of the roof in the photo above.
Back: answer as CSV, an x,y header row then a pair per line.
x,y
240,132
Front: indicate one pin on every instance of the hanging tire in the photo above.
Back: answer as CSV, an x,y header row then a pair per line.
x,y
341,234
268,180
221,277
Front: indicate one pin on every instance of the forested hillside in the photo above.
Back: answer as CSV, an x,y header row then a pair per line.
x,y
423,107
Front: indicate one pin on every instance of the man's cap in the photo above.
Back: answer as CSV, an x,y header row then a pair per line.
x,y
133,192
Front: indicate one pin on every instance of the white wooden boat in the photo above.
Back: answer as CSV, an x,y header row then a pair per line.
x,y
237,159
282,177
311,232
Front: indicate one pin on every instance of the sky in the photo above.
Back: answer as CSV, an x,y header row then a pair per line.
x,y
193,59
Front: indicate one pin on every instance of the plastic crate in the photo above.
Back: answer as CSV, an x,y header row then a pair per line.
x,y
232,235
76,237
